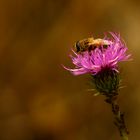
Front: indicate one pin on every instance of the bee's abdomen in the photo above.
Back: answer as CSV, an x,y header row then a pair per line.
x,y
77,46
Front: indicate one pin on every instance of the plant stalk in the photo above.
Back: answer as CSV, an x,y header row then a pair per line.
x,y
119,117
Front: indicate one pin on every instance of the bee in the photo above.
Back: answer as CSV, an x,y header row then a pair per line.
x,y
90,44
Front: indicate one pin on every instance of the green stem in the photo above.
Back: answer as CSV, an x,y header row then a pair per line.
x,y
119,117
124,137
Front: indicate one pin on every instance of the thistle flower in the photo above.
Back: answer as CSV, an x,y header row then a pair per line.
x,y
101,62
100,58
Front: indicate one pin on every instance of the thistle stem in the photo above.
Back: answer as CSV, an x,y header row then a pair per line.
x,y
119,117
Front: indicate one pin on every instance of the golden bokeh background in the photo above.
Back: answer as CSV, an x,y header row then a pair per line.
x,y
39,100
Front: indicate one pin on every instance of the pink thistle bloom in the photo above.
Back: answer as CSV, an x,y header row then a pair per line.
x,y
100,58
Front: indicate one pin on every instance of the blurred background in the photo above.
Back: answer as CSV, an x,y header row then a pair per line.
x,y
39,100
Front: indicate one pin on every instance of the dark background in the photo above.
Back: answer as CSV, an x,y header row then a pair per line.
x,y
39,100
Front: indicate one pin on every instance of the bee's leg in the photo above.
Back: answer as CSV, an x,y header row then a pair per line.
x,y
91,47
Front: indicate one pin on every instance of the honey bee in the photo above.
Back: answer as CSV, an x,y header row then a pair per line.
x,y
90,44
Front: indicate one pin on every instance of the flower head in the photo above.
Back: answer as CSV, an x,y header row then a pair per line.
x,y
100,58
